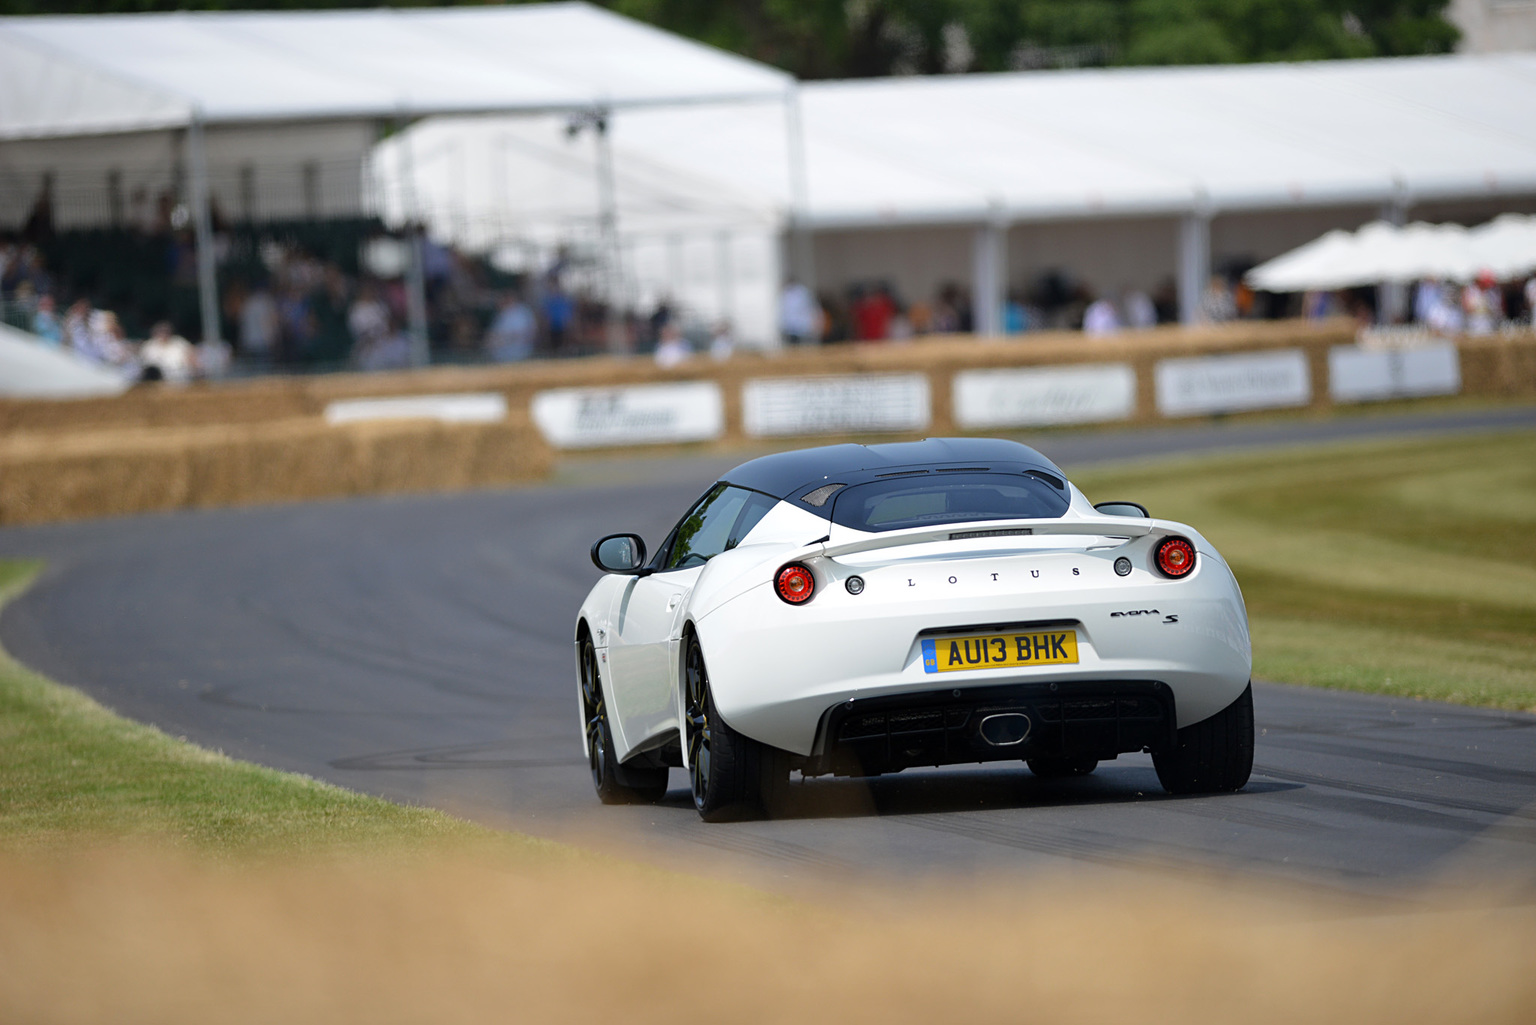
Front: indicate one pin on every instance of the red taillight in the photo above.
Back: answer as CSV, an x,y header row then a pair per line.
x,y
1175,557
795,584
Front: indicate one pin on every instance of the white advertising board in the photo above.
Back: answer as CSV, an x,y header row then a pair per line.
x,y
637,415
1228,384
1039,396
848,404
471,408
1357,374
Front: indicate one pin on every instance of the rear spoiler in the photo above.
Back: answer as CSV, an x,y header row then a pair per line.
x,y
1103,526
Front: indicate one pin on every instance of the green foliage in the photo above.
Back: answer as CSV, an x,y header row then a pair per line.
x,y
860,38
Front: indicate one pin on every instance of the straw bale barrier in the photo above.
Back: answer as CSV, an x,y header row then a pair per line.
x,y
265,439
47,476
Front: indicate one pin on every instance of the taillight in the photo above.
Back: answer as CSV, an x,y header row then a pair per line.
x,y
1175,557
795,584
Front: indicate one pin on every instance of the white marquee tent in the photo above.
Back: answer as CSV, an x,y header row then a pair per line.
x,y
994,151
235,85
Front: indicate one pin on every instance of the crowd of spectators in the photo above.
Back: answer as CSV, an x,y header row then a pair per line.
x,y
876,311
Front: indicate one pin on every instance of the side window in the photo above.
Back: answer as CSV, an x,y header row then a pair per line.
x,y
706,531
756,508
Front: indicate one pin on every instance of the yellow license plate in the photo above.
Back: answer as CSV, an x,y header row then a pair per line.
x,y
999,651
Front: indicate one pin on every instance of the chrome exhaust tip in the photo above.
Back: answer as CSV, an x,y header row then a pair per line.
x,y
1005,729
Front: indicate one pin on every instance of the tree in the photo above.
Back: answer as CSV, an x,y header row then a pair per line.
x,y
862,38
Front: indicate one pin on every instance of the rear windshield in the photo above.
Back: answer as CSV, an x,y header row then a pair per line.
x,y
934,499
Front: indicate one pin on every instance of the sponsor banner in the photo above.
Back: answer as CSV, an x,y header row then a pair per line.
x,y
1039,396
849,404
473,408
1358,374
1228,384
639,415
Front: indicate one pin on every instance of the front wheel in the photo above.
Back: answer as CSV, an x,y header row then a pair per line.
x,y
614,783
1214,755
732,776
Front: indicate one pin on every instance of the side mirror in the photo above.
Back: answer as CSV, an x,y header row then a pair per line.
x,y
619,553
1123,509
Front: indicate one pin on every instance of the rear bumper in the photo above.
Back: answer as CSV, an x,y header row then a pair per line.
x,y
868,736
776,669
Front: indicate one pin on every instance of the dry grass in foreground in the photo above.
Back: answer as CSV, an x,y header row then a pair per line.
x,y
140,936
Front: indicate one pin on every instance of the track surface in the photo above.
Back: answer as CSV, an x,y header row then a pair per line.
x,y
418,648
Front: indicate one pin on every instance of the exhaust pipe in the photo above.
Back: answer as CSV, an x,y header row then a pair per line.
x,y
1005,729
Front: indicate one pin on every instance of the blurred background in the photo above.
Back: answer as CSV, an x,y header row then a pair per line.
x,y
308,191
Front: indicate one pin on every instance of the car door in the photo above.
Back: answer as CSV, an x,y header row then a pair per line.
x,y
646,618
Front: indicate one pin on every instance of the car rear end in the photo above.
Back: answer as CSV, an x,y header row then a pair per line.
x,y
1076,635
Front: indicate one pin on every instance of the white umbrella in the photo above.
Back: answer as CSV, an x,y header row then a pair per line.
x,y
1314,265
1421,250
1383,252
1506,246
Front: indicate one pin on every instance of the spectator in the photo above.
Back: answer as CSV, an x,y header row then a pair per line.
x,y
1217,305
1100,319
258,325
1140,311
559,310
872,315
512,334
1483,304
1318,305
168,354
1015,315
77,327
946,310
722,345
798,314
367,321
387,350
46,324
102,342
1529,291
672,349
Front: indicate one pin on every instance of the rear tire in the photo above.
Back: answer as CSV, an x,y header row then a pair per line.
x,y
1212,756
1062,767
732,777
614,783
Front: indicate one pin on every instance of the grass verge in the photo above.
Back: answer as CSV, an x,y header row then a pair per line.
x,y
70,768
1398,567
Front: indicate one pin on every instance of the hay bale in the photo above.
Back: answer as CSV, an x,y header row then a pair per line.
x,y
51,476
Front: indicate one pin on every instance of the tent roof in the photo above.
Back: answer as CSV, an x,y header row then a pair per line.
x,y
1119,142
95,74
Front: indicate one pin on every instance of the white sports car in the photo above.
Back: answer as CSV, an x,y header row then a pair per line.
x,y
858,610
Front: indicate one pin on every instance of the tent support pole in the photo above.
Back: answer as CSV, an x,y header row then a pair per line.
x,y
801,248
202,224
1194,264
415,274
725,278
1392,296
608,231
989,273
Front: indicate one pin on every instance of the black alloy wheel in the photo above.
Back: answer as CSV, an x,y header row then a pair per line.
x,y
732,776
614,783
699,735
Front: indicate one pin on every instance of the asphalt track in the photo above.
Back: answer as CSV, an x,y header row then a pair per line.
x,y
419,648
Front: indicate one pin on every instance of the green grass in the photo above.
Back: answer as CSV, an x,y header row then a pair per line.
x,y
1404,567
71,769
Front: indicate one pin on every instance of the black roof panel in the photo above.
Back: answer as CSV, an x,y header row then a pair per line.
x,y
785,473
